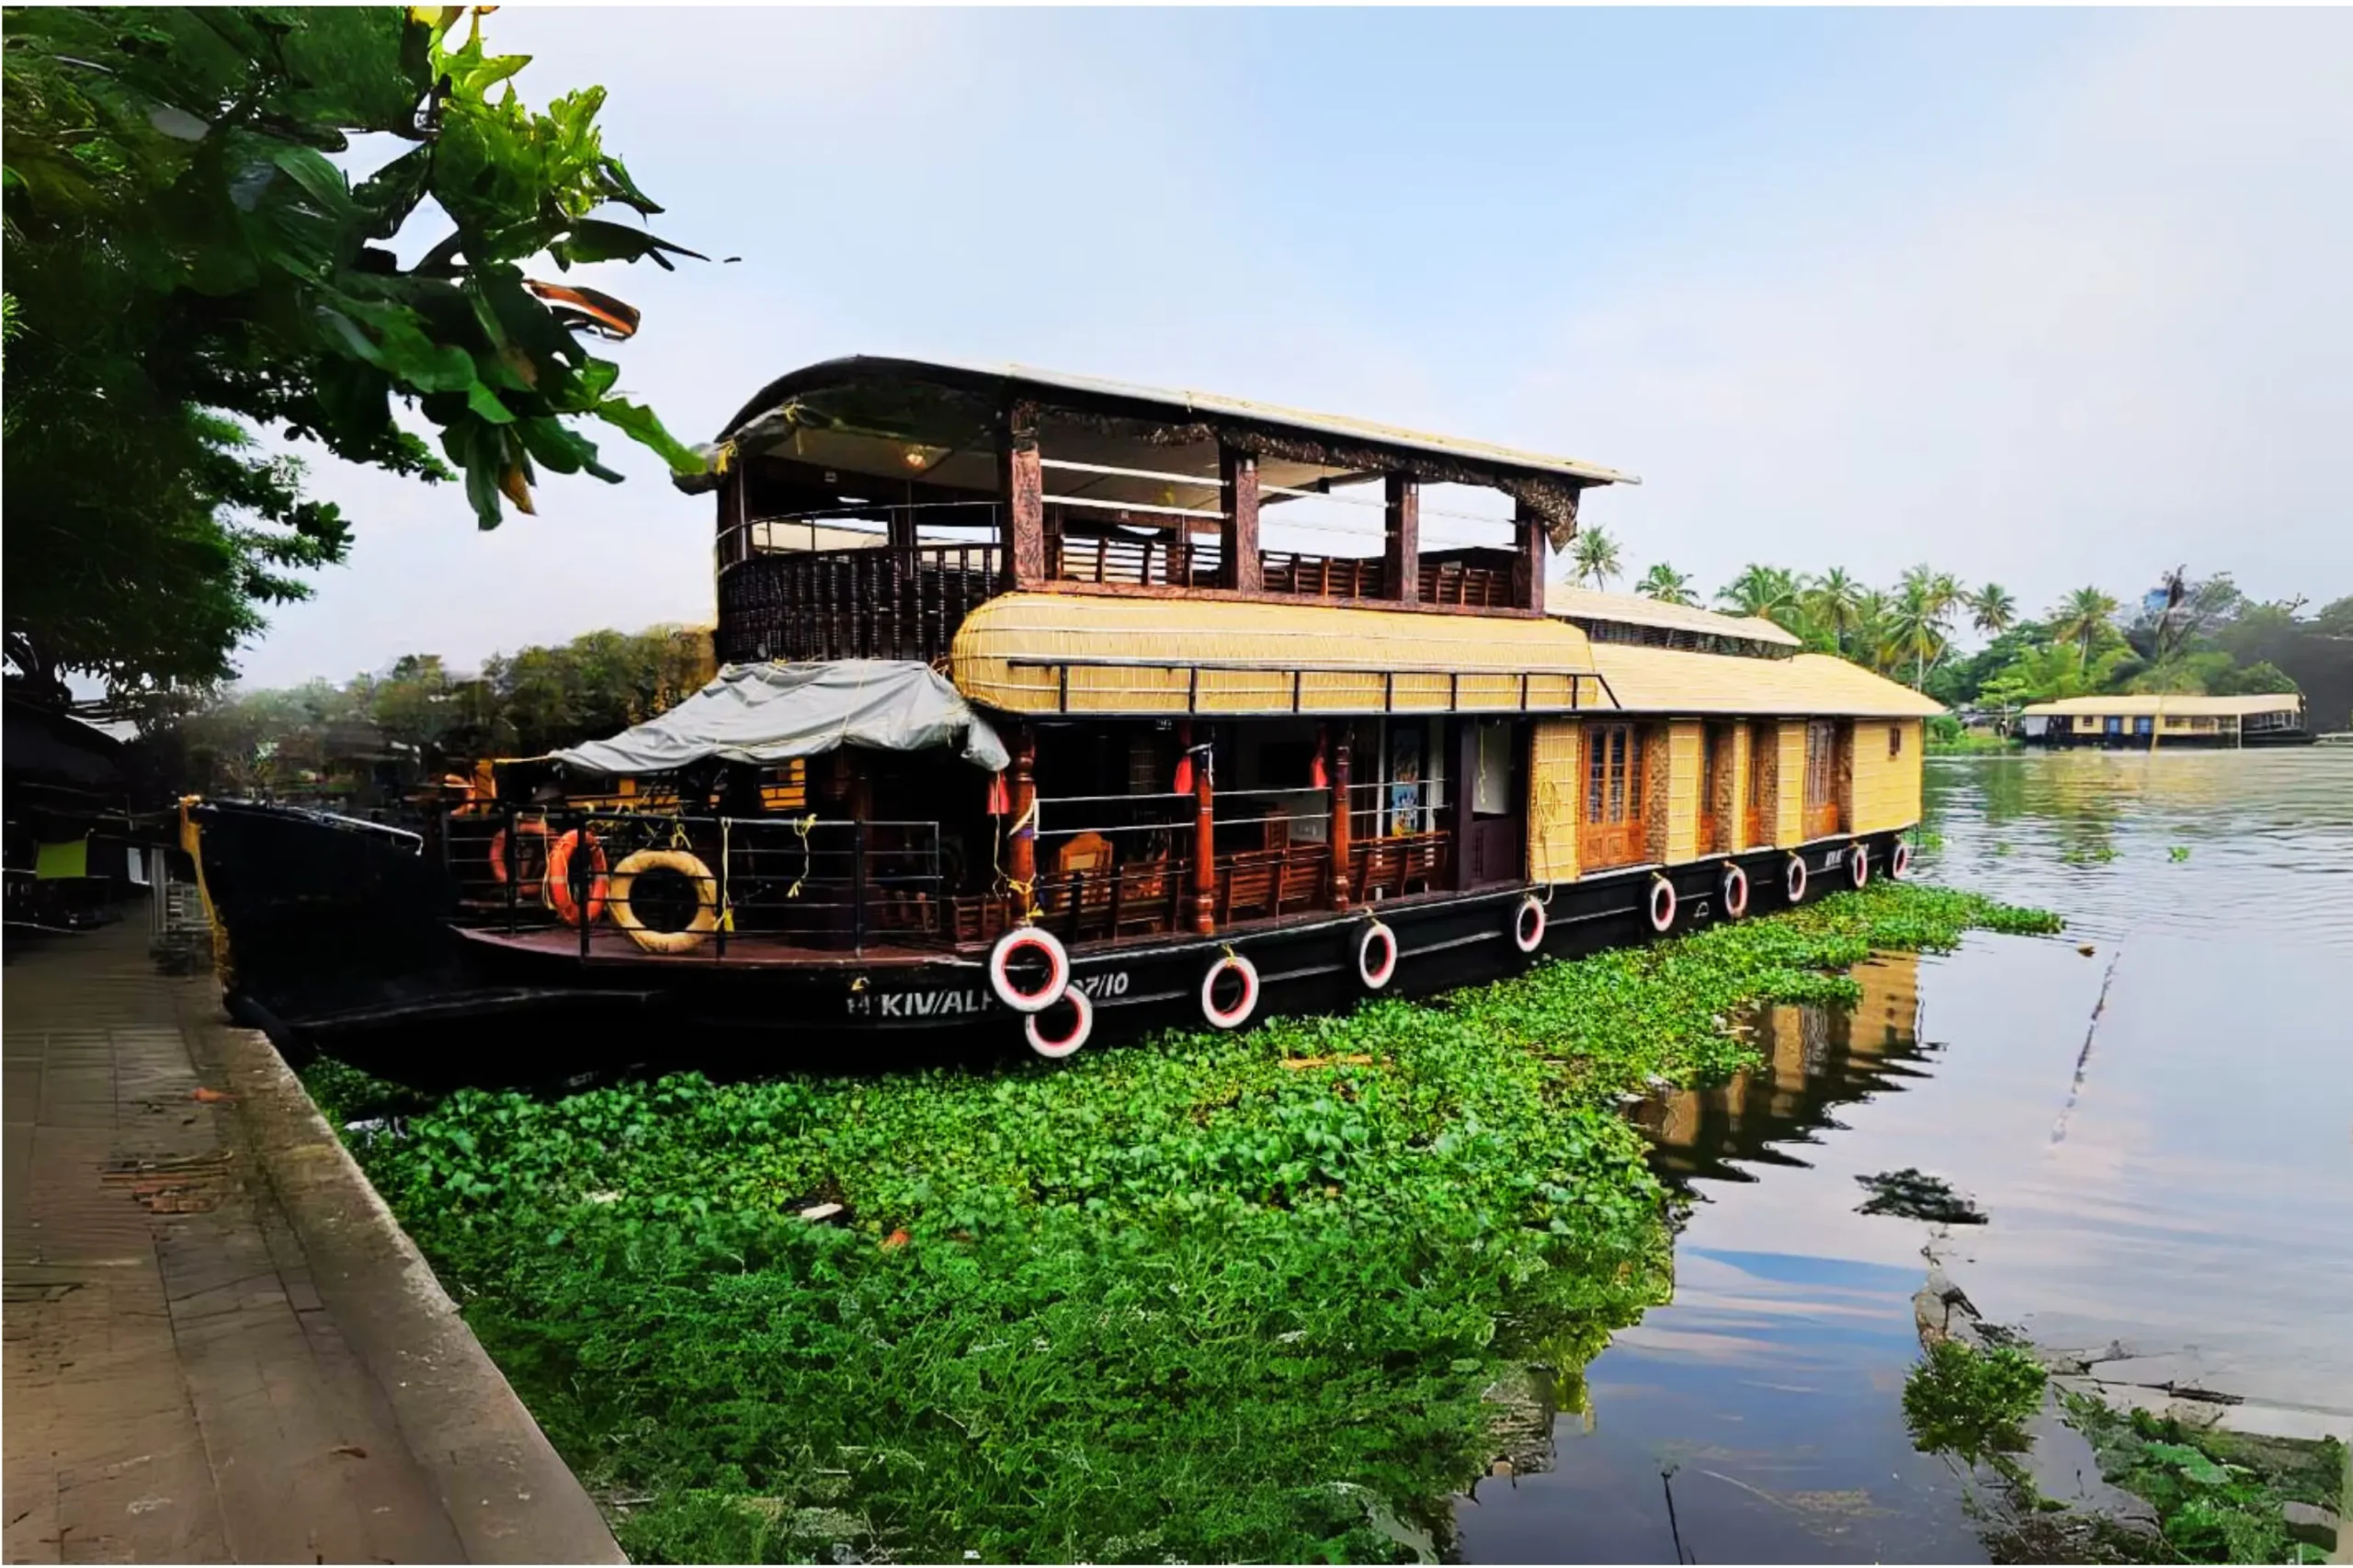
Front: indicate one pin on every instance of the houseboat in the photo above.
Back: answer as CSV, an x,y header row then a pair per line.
x,y
2146,719
1039,713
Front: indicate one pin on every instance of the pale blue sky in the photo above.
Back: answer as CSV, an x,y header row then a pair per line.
x,y
2045,298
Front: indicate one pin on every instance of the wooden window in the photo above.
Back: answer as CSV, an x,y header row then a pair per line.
x,y
1895,740
1613,795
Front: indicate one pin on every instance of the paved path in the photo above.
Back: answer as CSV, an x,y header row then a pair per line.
x,y
217,1346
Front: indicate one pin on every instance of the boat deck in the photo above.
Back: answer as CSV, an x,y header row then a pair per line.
x,y
609,945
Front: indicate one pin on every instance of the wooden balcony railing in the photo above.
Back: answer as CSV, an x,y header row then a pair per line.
x,y
889,602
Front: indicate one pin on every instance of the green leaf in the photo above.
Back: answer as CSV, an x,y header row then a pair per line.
x,y
640,425
593,239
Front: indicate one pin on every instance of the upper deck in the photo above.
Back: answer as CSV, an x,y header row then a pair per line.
x,y
867,506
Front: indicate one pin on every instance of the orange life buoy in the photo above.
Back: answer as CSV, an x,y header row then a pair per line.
x,y
525,827
559,878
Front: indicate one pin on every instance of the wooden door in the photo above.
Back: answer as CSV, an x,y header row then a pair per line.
x,y
1612,831
1822,814
1715,789
1764,768
1496,850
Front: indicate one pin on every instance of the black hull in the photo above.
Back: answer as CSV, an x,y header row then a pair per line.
x,y
341,940
2172,743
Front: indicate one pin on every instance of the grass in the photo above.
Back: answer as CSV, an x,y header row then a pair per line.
x,y
1206,1297
1975,745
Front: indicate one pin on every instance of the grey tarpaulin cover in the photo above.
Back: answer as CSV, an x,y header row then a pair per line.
x,y
771,713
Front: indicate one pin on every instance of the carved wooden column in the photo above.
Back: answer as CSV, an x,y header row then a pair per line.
x,y
1402,555
1204,846
1021,491
1021,855
1527,558
1238,482
1341,849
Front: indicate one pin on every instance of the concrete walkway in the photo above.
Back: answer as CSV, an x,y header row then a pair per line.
x,y
220,1347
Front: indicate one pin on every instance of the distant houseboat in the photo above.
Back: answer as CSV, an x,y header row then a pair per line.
x,y
2156,718
1033,716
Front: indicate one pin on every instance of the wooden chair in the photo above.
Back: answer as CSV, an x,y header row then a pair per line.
x,y
1143,897
1380,870
1305,880
1246,887
1424,863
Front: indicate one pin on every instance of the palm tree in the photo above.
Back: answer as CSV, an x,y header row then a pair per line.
x,y
2080,617
1874,646
1992,609
1915,624
1595,557
1668,585
1835,600
1767,591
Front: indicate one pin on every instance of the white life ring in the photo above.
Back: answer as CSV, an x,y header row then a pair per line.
x,y
1001,975
1859,865
1231,1018
1528,924
1793,878
1732,886
1661,905
1899,865
1375,956
619,905
1082,1025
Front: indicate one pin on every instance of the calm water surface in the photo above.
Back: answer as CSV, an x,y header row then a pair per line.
x,y
2160,1133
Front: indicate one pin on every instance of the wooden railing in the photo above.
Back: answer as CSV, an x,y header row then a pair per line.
x,y
1324,576
890,602
1155,897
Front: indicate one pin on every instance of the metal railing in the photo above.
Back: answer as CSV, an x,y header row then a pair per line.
x,y
775,881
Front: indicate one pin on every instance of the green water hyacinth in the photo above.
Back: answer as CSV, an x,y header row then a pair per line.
x,y
1204,1298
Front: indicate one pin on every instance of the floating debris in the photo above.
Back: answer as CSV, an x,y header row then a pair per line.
x,y
1913,1194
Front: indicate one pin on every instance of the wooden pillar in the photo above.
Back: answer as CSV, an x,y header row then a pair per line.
x,y
1463,734
1527,558
1402,555
1204,847
1021,492
1341,849
1021,855
1238,481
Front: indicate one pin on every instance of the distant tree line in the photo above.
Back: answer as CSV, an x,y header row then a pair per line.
x,y
420,720
2203,636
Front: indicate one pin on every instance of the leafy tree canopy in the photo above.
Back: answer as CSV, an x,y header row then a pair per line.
x,y
521,704
187,266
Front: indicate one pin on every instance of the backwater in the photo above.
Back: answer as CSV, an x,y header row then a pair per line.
x,y
2158,1134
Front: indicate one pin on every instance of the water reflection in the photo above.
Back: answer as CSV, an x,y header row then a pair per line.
x,y
1754,1418
1817,1059
2198,1206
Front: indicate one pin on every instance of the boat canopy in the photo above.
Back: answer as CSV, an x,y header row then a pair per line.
x,y
771,713
1173,657
1665,680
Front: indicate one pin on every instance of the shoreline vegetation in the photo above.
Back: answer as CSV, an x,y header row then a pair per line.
x,y
1205,1297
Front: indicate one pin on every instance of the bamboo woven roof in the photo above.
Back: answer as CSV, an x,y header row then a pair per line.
x,y
1664,680
2178,704
1568,601
1085,653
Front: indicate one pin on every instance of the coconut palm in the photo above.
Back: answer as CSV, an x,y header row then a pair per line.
x,y
1918,616
1767,591
1594,558
1992,609
2080,617
1873,646
1668,585
1834,600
